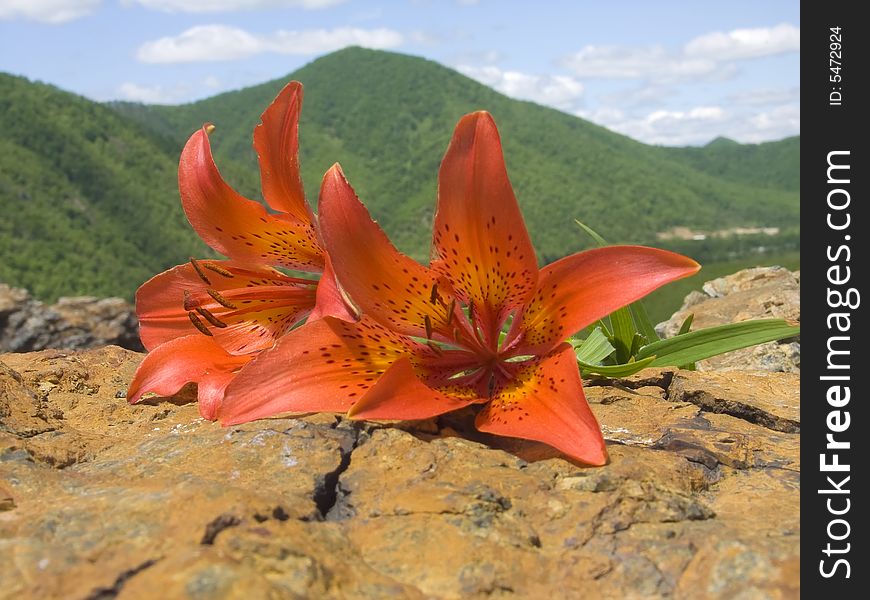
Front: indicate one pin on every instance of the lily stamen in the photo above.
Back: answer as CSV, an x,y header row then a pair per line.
x,y
450,310
220,299
210,317
199,271
199,324
218,270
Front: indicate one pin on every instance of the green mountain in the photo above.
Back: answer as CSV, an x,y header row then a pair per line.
x,y
91,188
88,200
773,165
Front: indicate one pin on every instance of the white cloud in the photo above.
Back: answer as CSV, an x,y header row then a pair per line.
x,y
644,96
766,96
649,62
559,91
781,121
206,6
709,56
47,11
221,42
700,124
666,127
201,43
212,82
133,92
745,43
172,94
700,113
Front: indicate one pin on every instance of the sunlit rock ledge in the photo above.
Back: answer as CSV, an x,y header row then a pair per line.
x,y
101,499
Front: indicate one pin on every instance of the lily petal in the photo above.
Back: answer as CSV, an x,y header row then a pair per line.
x,y
579,289
253,305
235,226
545,402
388,286
331,301
193,358
276,141
399,394
324,366
480,237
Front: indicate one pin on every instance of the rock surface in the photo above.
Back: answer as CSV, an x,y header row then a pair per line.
x,y
759,293
27,324
99,499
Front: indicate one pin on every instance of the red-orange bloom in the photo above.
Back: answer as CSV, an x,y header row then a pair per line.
x,y
431,339
203,321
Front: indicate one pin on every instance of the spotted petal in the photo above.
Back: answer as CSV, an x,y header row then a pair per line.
x,y
323,366
545,402
194,358
388,286
580,289
276,141
331,299
235,226
480,239
399,394
244,308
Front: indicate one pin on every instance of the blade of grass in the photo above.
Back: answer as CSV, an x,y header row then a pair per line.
x,y
623,333
594,348
698,345
641,320
623,370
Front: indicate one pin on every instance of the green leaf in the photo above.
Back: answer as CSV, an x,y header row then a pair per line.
x,y
641,320
637,343
687,324
622,321
623,333
704,343
594,348
623,370
598,239
603,326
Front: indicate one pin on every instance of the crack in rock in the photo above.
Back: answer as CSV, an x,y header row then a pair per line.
x,y
224,521
660,380
691,451
709,403
329,495
108,593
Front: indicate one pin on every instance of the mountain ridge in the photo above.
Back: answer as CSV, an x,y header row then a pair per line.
x,y
387,119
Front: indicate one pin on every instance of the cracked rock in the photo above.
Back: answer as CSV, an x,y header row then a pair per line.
x,y
99,499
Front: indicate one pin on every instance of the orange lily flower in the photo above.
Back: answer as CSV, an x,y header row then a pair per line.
x,y
203,321
431,339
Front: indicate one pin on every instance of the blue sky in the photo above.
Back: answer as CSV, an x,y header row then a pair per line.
x,y
671,73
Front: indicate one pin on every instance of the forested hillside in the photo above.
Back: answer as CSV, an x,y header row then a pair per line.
x,y
88,191
88,201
